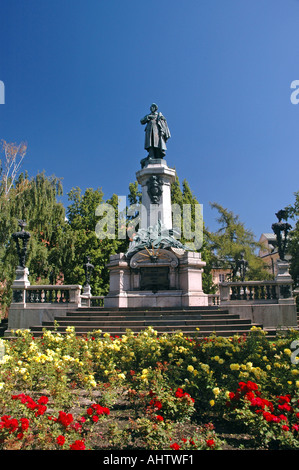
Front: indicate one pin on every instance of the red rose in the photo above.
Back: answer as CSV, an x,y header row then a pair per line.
x,y
40,410
210,442
158,404
60,440
159,418
179,393
285,407
43,400
24,423
77,445
175,446
284,399
65,418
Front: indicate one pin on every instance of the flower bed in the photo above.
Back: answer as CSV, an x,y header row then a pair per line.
x,y
170,392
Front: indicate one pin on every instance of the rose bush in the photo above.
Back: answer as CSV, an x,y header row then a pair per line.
x,y
168,379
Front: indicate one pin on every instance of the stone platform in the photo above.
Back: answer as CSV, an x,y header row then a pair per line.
x,y
173,279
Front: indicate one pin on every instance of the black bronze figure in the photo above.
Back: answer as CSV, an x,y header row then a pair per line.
x,y
24,237
156,133
88,268
281,230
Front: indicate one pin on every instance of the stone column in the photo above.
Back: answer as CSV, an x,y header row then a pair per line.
x,y
284,282
120,282
19,285
155,179
190,276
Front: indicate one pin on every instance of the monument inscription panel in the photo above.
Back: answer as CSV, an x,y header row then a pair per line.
x,y
154,278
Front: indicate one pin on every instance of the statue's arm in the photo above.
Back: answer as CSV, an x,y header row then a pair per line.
x,y
145,119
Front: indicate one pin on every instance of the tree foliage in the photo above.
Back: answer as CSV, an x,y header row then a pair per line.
x,y
232,240
79,239
293,243
35,201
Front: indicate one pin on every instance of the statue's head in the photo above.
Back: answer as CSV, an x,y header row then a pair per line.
x,y
154,107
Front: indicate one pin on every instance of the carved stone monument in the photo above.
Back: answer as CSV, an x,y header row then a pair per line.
x,y
157,270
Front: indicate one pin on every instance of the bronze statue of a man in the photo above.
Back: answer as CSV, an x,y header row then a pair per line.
x,y
156,133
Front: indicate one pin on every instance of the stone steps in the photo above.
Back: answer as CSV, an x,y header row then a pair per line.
x,y
197,320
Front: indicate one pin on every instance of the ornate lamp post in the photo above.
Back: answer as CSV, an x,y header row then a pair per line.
x,y
242,266
88,268
23,237
281,230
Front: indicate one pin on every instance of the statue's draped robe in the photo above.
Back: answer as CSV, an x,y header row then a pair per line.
x,y
156,132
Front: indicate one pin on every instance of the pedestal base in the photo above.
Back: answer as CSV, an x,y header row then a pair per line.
x,y
185,281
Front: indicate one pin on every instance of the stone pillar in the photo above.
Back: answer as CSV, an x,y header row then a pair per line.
x,y
155,179
120,282
190,279
284,282
19,285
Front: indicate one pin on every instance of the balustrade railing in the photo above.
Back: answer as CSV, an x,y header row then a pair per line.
x,y
48,294
213,299
92,301
255,291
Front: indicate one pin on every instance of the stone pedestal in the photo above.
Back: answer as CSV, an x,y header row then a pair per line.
x,y
155,179
157,270
173,280
284,283
20,283
282,271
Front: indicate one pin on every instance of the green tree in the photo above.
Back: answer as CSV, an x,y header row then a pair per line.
x,y
232,240
185,197
35,201
293,243
79,239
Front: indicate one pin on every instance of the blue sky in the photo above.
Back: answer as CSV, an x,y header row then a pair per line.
x,y
79,75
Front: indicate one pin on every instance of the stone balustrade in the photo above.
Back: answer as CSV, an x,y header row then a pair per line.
x,y
257,291
213,300
47,294
270,303
32,305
